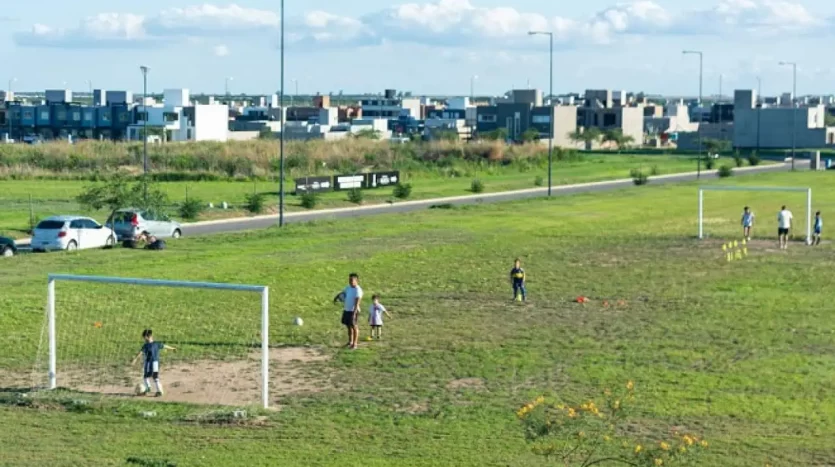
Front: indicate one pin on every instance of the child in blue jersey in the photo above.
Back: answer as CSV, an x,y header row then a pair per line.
x,y
517,279
151,350
816,235
747,223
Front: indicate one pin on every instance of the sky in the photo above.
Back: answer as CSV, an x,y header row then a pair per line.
x,y
437,47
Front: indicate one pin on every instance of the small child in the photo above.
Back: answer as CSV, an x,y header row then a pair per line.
x,y
517,279
747,223
375,318
151,350
816,236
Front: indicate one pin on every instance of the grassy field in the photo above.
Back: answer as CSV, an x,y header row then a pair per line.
x,y
51,197
742,353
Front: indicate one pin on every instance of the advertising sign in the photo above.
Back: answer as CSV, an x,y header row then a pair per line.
x,y
313,184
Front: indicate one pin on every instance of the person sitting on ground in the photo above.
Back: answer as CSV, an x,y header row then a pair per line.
x,y
153,243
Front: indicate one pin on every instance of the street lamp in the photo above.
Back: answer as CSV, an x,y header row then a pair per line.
x,y
9,109
759,108
226,84
701,75
283,119
550,104
472,87
145,71
794,108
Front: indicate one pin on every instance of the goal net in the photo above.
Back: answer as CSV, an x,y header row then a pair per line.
x,y
723,217
93,331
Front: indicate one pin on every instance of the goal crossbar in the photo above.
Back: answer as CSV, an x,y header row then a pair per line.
x,y
260,289
808,192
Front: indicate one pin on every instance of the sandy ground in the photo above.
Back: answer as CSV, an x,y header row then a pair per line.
x,y
293,370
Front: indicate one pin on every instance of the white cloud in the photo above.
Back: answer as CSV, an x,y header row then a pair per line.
x,y
434,22
220,50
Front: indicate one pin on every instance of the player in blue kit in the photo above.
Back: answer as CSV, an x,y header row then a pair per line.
x,y
151,350
517,279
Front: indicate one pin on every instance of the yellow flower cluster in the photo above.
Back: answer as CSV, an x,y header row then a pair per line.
x,y
659,461
630,385
664,446
528,408
590,407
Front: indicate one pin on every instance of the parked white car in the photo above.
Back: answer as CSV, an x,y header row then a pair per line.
x,y
71,233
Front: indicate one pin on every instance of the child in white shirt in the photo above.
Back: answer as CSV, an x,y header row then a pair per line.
x,y
375,317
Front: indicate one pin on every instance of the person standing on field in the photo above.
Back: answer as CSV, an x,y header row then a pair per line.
x,y
747,223
784,225
816,234
351,308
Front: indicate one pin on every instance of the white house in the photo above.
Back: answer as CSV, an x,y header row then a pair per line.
x,y
178,120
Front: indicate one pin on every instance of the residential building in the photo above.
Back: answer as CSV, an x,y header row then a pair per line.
x,y
771,127
518,117
176,119
390,106
606,110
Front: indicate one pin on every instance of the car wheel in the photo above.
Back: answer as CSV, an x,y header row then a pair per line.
x,y
7,252
176,234
110,242
72,246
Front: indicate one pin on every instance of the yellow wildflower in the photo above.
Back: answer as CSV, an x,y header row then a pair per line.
x,y
704,443
607,439
630,385
540,399
571,413
581,434
682,449
688,440
659,462
638,449
617,404
560,406
664,446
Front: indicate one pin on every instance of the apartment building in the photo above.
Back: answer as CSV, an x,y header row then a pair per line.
x,y
177,119
608,110
779,127
519,117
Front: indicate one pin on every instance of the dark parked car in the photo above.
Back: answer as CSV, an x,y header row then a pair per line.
x,y
7,247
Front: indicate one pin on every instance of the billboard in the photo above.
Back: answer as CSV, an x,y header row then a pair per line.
x,y
366,181
382,179
313,184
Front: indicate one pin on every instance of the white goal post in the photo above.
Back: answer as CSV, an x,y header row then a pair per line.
x,y
260,289
808,192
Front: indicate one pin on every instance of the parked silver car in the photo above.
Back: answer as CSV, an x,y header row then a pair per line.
x,y
129,223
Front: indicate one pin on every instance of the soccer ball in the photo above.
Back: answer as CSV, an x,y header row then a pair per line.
x,y
139,390
298,321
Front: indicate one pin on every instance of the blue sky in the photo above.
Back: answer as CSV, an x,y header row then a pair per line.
x,y
425,46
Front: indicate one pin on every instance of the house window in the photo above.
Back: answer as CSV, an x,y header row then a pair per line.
x,y
487,118
609,120
141,116
27,115
541,119
45,115
171,116
62,115
76,116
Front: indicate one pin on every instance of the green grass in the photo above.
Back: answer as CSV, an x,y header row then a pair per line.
x,y
50,197
742,352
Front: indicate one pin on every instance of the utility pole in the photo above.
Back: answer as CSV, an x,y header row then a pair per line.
x,y
701,75
283,120
759,109
794,108
145,71
550,105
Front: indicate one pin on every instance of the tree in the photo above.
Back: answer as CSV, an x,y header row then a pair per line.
x,y
617,137
716,146
530,135
588,136
119,193
829,119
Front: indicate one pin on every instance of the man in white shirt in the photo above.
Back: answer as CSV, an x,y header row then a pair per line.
x,y
351,308
784,225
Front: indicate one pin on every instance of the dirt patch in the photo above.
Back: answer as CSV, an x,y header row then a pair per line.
x,y
293,370
472,384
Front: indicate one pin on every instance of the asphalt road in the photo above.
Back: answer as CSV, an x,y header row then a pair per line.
x,y
238,225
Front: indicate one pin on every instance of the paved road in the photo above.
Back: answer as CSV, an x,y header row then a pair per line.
x,y
262,222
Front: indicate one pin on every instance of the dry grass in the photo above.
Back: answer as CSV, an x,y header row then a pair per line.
x,y
248,158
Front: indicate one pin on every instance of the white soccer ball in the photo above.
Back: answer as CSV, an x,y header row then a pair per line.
x,y
298,321
139,389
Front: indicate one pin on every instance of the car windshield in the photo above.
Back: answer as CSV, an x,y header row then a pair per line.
x,y
51,225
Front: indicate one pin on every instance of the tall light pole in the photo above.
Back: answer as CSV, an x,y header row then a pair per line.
x,y
701,76
472,87
145,71
794,107
9,109
759,108
283,119
226,84
550,103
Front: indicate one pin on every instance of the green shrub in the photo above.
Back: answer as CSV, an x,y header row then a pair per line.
x,y
477,186
639,177
725,171
753,159
654,170
402,190
309,200
190,209
738,160
254,203
538,181
710,163
356,196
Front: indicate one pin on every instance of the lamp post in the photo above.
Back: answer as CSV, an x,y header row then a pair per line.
x,y
9,109
472,87
283,119
794,107
701,75
759,108
226,85
550,103
145,71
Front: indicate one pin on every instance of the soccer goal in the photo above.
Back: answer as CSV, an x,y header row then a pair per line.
x,y
807,191
94,328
